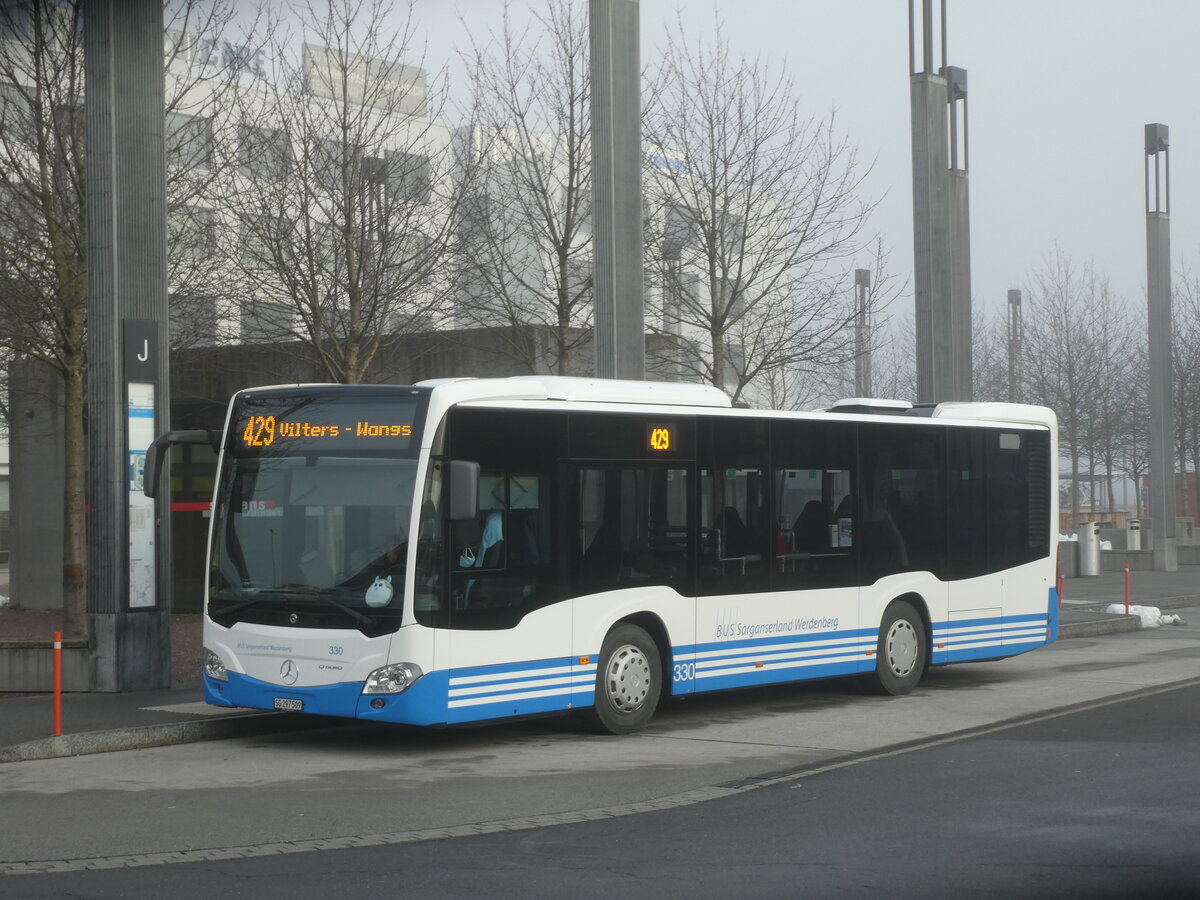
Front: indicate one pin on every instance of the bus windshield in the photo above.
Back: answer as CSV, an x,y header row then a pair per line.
x,y
293,534
312,515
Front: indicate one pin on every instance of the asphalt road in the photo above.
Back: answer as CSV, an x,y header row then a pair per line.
x,y
978,775
1096,803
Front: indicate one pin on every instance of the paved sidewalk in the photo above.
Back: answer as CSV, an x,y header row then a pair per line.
x,y
97,722
102,722
1166,590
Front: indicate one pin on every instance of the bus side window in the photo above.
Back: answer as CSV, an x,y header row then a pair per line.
x,y
632,527
736,532
903,521
813,491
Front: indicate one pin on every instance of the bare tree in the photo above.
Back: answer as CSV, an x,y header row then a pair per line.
x,y
524,253
885,358
751,206
6,358
43,249
1113,420
341,200
989,355
43,306
1133,459
1066,308
1186,358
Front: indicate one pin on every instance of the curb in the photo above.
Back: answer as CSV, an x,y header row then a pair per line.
x,y
1113,625
144,737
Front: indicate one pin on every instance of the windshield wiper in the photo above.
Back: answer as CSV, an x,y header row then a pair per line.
x,y
221,614
298,591
353,613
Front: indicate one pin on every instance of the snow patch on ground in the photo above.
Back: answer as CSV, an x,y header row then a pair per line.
x,y
1151,616
3,600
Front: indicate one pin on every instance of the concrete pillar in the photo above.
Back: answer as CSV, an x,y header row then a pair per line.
x,y
1158,298
941,214
36,460
128,609
617,189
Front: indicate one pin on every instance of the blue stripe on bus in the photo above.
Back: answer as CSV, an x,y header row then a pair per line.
x,y
776,659
523,706
773,648
1032,619
772,658
458,683
585,681
755,677
511,667
962,640
520,688
807,637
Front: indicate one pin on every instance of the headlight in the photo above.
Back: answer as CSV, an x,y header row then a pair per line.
x,y
394,679
213,666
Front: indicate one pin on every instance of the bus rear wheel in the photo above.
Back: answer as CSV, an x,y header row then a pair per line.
x,y
628,681
901,653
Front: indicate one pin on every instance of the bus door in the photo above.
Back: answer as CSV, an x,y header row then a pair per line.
x,y
632,548
973,593
509,638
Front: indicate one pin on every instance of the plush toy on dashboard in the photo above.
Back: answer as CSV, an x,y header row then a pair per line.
x,y
380,593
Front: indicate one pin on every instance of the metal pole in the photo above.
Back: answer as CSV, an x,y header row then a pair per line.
x,y
1161,395
862,336
617,189
1014,346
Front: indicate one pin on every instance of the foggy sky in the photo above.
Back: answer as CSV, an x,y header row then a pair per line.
x,y
1059,92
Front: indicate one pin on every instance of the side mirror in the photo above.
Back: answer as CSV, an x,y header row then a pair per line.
x,y
464,490
156,453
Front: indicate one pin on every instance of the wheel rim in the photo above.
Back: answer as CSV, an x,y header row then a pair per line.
x,y
627,679
902,648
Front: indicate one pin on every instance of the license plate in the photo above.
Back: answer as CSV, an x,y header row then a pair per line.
x,y
289,704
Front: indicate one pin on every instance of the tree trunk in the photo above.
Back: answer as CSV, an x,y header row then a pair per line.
x,y
75,548
1075,491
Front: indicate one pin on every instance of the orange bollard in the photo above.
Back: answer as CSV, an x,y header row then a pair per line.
x,y
57,683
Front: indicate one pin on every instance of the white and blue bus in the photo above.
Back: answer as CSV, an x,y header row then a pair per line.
x,y
467,550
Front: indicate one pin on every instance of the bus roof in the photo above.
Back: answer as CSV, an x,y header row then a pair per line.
x,y
452,391
578,390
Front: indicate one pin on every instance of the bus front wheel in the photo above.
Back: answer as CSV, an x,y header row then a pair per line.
x,y
900,654
628,681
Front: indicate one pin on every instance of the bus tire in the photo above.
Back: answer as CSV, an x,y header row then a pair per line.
x,y
628,681
900,656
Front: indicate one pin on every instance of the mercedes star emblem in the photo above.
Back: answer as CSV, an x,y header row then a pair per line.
x,y
288,673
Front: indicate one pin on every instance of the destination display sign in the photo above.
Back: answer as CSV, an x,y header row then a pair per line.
x,y
285,425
